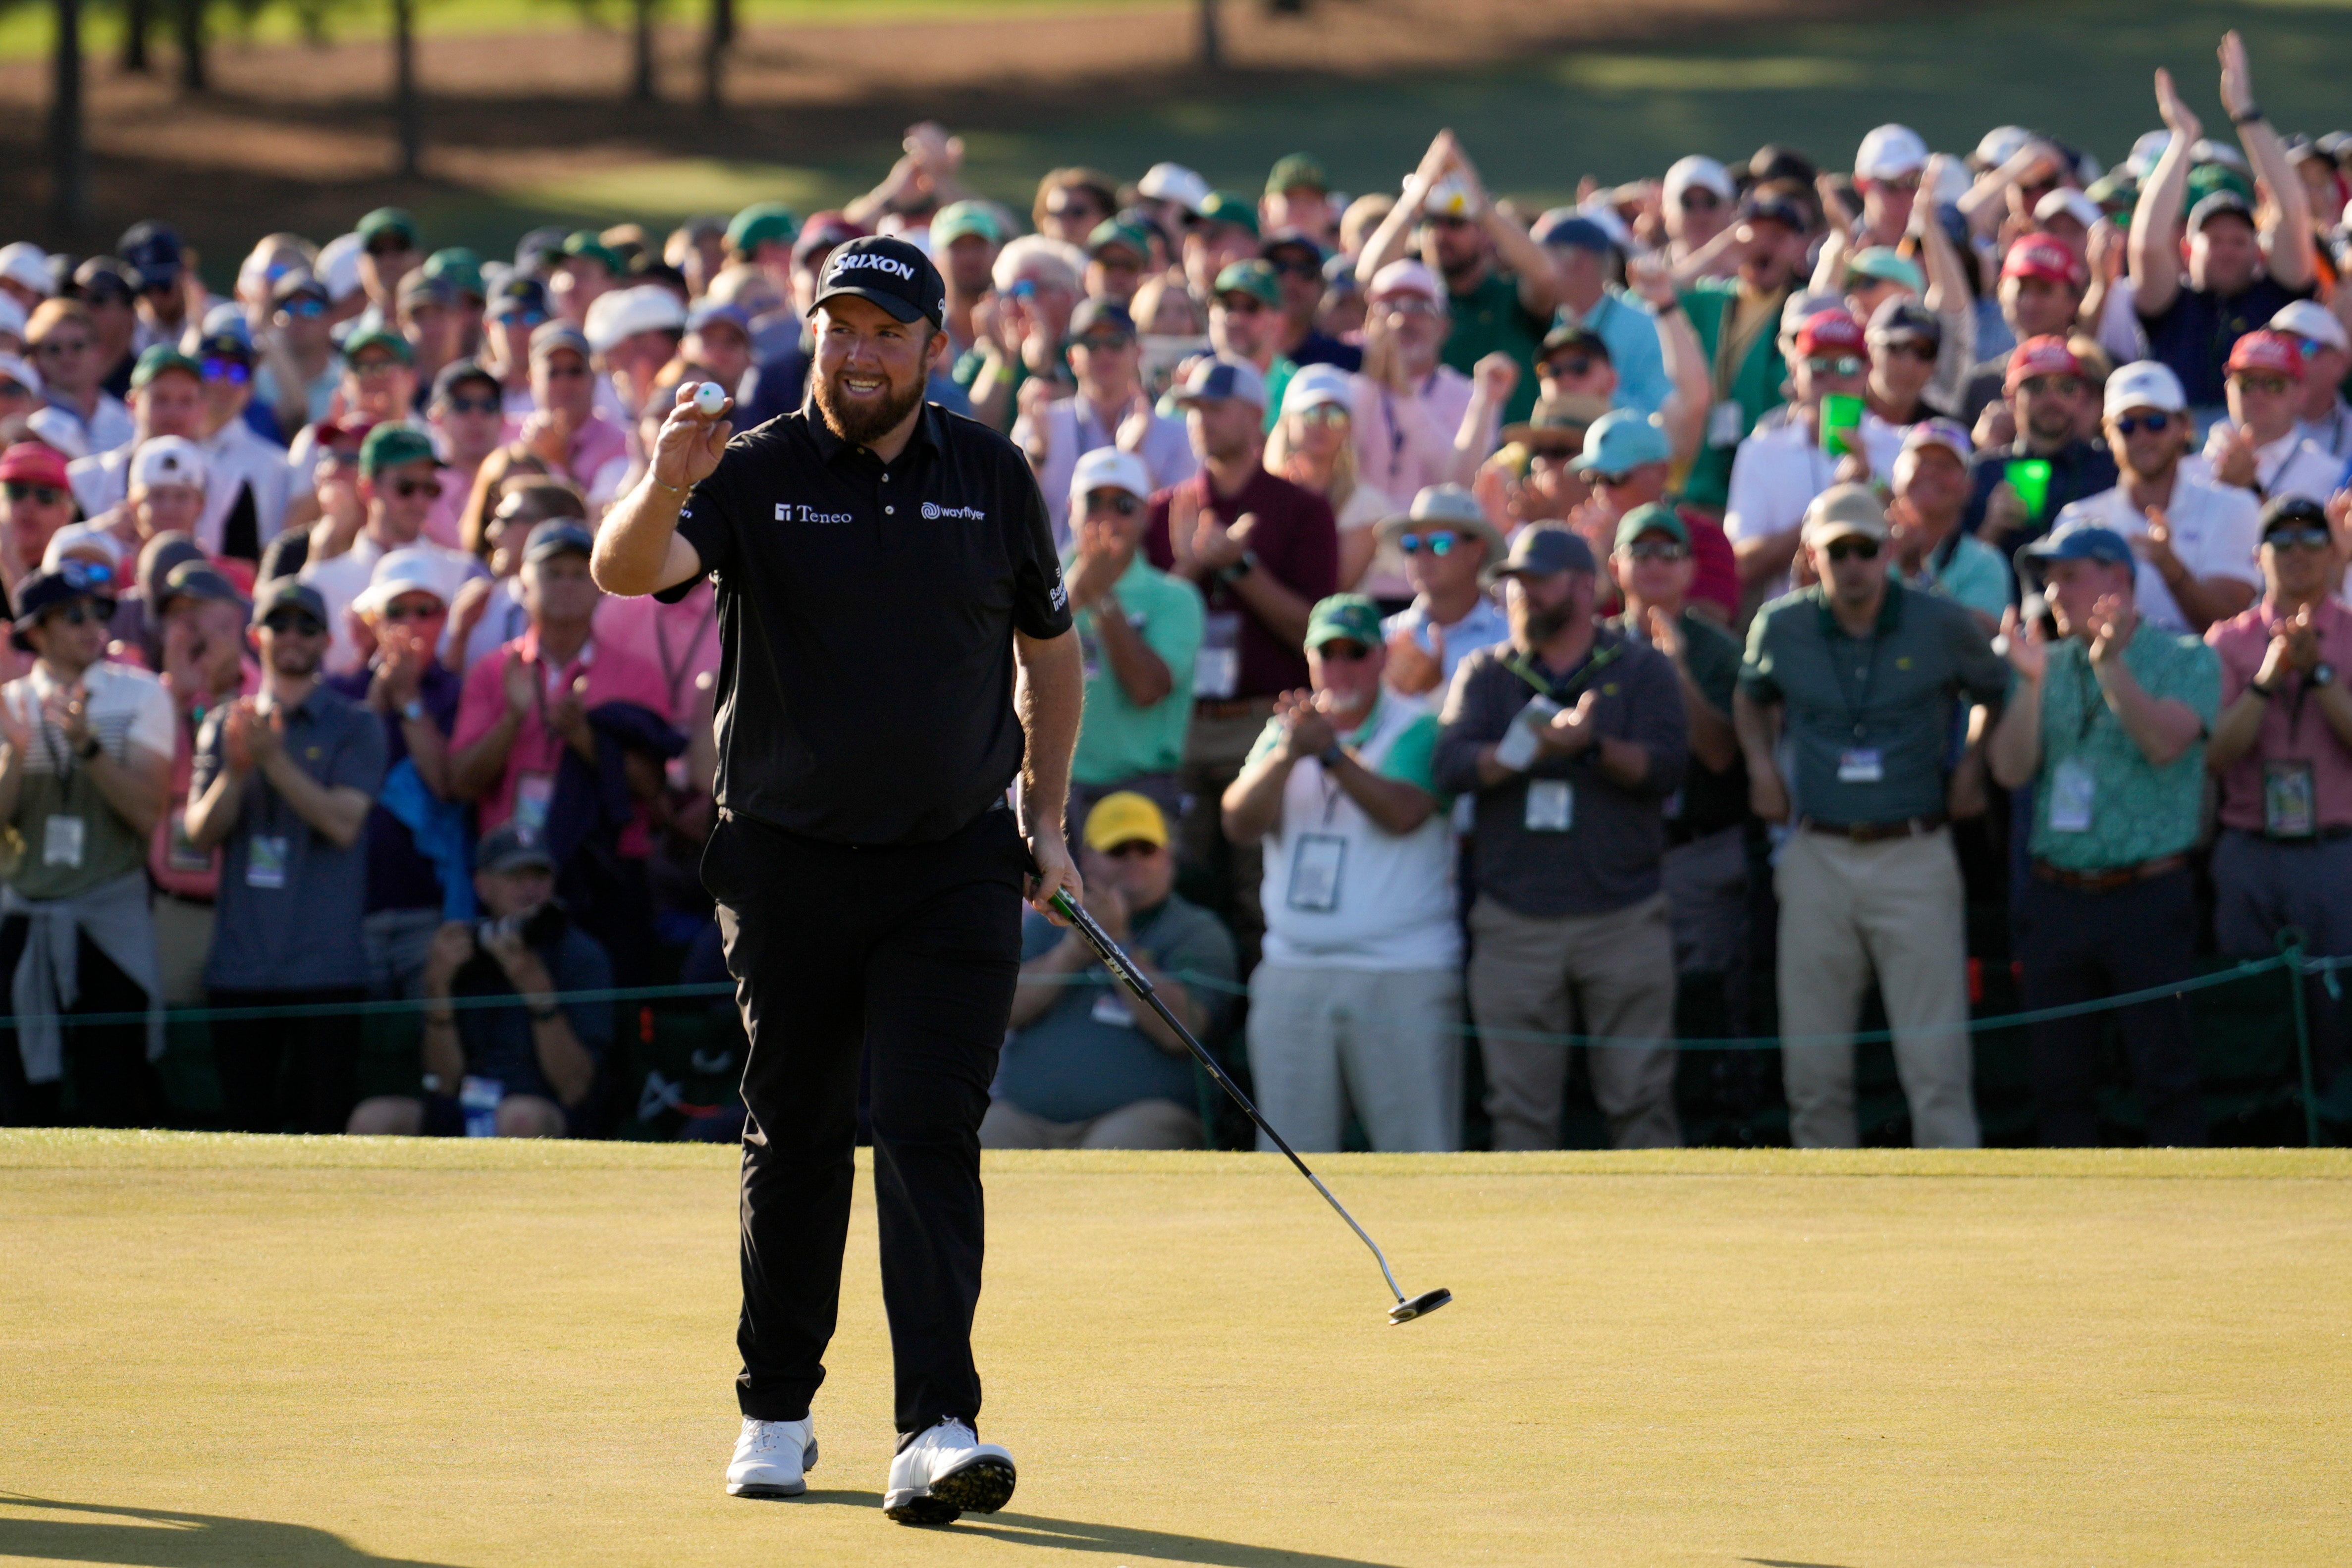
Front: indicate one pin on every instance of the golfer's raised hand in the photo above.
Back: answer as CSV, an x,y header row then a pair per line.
x,y
1055,873
691,441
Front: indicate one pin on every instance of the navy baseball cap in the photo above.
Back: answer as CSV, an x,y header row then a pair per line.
x,y
2079,541
889,272
150,252
1571,229
559,535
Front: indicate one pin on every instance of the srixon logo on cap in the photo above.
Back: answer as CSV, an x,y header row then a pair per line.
x,y
866,258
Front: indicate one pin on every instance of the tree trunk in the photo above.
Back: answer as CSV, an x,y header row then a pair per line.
x,y
641,80
193,76
68,154
1213,54
137,15
714,56
408,122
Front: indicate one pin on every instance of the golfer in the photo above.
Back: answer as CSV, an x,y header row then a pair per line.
x,y
896,646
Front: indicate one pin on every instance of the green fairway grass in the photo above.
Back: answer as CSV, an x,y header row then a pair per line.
x,y
284,1351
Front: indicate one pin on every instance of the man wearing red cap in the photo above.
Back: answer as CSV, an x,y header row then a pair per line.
x,y
1781,467
2051,394
36,501
2262,446
2042,285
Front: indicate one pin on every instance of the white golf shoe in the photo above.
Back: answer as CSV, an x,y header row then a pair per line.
x,y
945,1471
770,1457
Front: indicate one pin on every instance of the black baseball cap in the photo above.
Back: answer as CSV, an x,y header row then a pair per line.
x,y
889,272
456,373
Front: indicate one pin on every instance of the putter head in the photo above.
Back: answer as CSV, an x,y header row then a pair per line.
x,y
1420,1306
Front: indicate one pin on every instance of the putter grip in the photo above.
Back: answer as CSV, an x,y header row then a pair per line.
x,y
1105,948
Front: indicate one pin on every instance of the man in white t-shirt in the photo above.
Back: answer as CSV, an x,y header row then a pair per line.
x,y
2196,541
399,480
1358,1000
1781,467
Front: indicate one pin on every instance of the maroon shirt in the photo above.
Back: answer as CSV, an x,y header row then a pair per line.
x,y
1294,539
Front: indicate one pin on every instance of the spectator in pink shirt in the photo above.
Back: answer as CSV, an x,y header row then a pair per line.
x,y
468,422
565,432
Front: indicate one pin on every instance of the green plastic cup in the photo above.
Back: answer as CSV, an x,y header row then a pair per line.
x,y
2030,477
1841,418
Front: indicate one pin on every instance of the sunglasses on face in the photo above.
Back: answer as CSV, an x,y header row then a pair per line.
x,y
407,489
1409,308
1657,550
368,368
1610,480
473,405
1133,850
1900,182
2302,537
1700,200
1841,365
1568,366
2269,386
1324,414
1299,267
1104,341
2052,386
522,319
1070,207
1242,305
1024,289
1914,347
1853,549
1343,649
566,373
47,495
233,371
292,622
1439,543
2154,424
79,614
390,247
1118,501
400,612
302,307
59,348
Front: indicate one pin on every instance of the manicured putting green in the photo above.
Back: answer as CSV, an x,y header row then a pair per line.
x,y
281,1351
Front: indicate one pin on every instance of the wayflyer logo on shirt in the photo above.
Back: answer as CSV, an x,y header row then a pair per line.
x,y
934,512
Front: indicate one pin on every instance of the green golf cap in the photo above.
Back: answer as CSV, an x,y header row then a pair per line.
x,y
2207,179
1229,207
1293,171
1349,615
758,223
1110,234
390,445
585,246
1252,278
957,219
383,337
1888,264
457,266
158,359
387,221
1650,518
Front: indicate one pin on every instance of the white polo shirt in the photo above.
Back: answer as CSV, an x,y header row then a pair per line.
x,y
2216,533
1777,472
2293,465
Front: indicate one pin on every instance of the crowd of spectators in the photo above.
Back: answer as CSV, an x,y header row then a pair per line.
x,y
1495,623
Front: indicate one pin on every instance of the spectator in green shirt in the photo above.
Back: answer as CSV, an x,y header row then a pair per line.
x,y
2108,725
1141,630
1500,285
1036,291
1735,320
1931,550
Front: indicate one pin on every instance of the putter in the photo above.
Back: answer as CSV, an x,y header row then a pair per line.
x,y
1117,962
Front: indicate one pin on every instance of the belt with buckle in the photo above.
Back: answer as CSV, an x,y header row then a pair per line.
x,y
1874,832
2109,879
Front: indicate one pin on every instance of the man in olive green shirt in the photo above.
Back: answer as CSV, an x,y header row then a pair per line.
x,y
2108,725
1738,320
1141,630
1857,678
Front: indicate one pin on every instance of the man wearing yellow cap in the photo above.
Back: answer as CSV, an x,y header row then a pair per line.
x,y
1089,1065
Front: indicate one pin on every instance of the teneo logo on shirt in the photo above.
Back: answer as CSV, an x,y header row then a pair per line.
x,y
934,512
880,263
787,512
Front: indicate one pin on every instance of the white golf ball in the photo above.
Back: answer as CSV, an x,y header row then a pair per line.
x,y
709,397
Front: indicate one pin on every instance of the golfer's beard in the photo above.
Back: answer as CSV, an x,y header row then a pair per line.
x,y
862,425
1543,625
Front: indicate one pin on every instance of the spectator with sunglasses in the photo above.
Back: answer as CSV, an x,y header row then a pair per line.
x,y
488,611
1447,544
1246,322
1359,1001
2042,285
2262,446
466,416
1591,301
1109,408
379,386
1697,201
1855,678
62,340
2196,541
1298,260
516,308
83,780
1781,468
399,482
1036,291
36,501
2326,352
1313,446
2282,752
171,297
388,253
300,368
2108,724
202,624
2050,391
1737,320
245,504
167,398
565,430
105,288
1627,461
1419,421
1572,737
283,784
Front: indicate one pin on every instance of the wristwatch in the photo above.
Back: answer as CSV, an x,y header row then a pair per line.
x,y
1330,755
88,749
413,709
2321,674
2249,115
2261,691
1240,569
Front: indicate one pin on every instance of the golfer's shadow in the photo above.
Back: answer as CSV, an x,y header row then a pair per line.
x,y
1072,1535
172,1538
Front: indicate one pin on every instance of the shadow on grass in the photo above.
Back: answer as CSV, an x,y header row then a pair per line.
x,y
169,1538
1072,1535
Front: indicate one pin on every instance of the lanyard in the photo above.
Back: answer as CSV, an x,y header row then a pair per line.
x,y
672,670
1856,709
1570,686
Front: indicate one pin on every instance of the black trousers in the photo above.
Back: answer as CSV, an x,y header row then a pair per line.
x,y
2079,945
909,954
297,1074
113,1084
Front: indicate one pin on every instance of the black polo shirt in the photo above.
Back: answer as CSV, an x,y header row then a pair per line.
x,y
865,615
